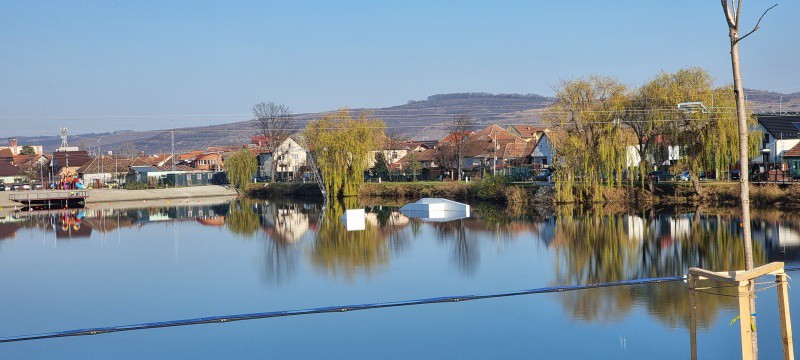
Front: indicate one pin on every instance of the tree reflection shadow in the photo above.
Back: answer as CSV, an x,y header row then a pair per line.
x,y
242,218
592,247
465,250
339,251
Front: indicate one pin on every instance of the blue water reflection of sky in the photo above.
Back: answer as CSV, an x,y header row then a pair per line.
x,y
153,265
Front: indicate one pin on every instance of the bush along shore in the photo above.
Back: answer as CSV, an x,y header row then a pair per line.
x,y
496,190
490,189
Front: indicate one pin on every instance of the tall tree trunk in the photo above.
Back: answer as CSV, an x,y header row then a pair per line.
x,y
744,188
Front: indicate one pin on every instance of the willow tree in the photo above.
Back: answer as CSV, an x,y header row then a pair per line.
x,y
241,166
590,140
342,146
707,134
643,117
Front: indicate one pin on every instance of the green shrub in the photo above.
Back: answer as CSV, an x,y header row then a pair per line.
x,y
491,188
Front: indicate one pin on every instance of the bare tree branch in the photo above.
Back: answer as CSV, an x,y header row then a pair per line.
x,y
757,24
274,127
728,16
737,11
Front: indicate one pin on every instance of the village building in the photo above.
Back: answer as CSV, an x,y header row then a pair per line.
x,y
493,146
290,162
781,133
543,151
10,174
107,169
16,149
67,160
208,161
167,175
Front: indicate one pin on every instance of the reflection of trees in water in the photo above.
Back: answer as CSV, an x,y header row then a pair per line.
x,y
242,219
280,260
340,251
465,250
390,224
594,248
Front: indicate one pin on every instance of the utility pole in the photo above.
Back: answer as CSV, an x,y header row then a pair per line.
x,y
732,13
172,158
494,167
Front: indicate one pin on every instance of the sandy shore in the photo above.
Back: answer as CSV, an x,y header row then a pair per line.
x,y
112,196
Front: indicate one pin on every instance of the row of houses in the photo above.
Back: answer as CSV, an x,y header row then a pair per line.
x,y
70,165
493,148
530,146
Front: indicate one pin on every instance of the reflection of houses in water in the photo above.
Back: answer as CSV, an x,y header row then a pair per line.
x,y
395,219
284,222
781,239
81,223
70,225
8,230
680,226
217,221
635,226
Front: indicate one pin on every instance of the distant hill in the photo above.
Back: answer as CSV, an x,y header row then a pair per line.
x,y
417,119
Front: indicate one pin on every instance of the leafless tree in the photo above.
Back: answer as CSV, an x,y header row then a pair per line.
x,y
733,11
274,123
444,155
459,129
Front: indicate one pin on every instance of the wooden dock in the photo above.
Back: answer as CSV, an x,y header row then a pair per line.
x,y
51,199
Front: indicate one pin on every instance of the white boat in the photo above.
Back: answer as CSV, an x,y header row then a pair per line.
x,y
436,209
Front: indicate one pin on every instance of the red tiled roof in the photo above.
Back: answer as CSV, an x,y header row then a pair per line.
x,y
110,164
526,131
483,142
6,169
76,158
793,152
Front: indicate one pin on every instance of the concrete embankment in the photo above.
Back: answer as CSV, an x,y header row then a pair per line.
x,y
120,195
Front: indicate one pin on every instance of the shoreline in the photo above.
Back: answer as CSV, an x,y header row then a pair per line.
x,y
97,196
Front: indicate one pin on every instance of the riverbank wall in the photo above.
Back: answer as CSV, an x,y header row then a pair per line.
x,y
120,195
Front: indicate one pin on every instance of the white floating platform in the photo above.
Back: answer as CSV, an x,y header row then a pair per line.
x,y
354,220
436,209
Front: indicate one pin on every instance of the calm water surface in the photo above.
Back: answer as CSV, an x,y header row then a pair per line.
x,y
114,266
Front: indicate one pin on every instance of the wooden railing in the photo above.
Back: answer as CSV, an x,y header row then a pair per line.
x,y
45,195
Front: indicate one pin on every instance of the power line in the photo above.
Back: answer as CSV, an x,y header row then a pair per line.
x,y
330,309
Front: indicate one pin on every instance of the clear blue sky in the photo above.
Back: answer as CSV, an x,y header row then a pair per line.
x,y
77,63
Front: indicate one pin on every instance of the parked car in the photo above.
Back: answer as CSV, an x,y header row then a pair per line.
x,y
2,187
544,175
684,176
735,174
26,186
660,175
37,186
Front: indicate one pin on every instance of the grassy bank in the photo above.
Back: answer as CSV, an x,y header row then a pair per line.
x,y
496,190
286,190
491,189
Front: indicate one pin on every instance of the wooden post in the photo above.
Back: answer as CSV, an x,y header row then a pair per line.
x,y
786,320
693,316
745,324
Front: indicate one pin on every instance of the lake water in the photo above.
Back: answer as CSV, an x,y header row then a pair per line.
x,y
105,266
